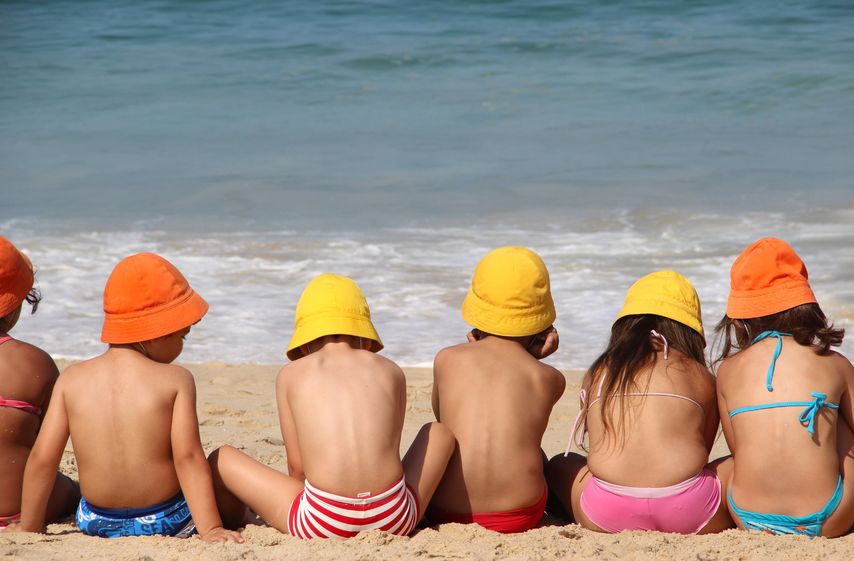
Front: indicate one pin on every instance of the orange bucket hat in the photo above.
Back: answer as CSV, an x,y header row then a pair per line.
x,y
16,277
768,277
147,297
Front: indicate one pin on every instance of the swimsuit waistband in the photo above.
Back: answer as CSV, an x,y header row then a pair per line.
x,y
652,492
361,498
134,512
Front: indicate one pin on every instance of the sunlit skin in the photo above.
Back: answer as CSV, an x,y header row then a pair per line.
x,y
131,416
28,374
341,410
496,397
779,468
680,435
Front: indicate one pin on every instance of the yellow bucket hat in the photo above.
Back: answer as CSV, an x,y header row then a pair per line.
x,y
667,294
331,305
510,294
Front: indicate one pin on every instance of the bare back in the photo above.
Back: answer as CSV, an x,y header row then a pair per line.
x,y
119,408
341,412
496,398
681,430
779,466
27,374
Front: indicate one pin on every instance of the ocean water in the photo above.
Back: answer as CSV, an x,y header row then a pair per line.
x,y
258,144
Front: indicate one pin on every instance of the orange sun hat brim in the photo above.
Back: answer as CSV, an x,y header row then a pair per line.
x,y
767,278
16,277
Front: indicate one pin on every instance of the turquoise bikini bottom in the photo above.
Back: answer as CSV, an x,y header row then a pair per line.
x,y
809,525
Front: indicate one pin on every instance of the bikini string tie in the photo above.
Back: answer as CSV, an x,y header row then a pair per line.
x,y
807,416
656,335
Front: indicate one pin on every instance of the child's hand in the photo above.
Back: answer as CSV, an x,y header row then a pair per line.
x,y
220,535
545,343
473,336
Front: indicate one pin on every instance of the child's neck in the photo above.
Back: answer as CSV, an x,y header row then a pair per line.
x,y
524,341
335,343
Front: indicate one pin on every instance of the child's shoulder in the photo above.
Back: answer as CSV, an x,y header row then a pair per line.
x,y
448,353
363,359
103,367
28,357
841,363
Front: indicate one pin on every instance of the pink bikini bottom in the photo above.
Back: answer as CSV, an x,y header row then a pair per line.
x,y
684,508
6,520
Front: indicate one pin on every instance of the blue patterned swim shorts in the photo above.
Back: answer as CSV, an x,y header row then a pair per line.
x,y
169,518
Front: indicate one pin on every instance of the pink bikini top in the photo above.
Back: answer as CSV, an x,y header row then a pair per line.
x,y
579,437
14,403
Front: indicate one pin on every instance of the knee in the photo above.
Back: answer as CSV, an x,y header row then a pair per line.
x,y
222,453
559,465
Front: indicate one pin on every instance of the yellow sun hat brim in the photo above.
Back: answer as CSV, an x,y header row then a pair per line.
x,y
667,294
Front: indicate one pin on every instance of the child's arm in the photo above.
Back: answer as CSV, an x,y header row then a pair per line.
x,y
846,402
42,464
288,427
45,368
191,466
723,410
437,368
558,385
713,419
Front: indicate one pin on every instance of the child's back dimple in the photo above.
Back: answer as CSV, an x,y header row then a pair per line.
x,y
666,410
120,418
775,439
347,404
497,404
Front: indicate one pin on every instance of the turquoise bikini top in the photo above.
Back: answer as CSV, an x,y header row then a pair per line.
x,y
807,416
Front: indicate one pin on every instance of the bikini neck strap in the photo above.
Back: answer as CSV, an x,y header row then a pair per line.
x,y
779,336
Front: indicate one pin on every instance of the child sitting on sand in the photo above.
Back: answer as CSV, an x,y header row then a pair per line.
x,y
786,400
648,403
132,419
496,396
341,409
27,376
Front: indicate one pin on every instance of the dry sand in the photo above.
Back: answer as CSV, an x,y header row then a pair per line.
x,y
236,406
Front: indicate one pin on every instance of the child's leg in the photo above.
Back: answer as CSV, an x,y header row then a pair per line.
x,y
840,522
554,504
63,499
567,477
426,460
241,482
722,467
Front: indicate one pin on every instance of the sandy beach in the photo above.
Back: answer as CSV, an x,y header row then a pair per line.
x,y
236,406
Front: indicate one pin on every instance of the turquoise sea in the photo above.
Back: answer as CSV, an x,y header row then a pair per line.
x,y
257,144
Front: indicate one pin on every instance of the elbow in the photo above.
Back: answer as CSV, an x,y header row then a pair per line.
x,y
186,460
295,471
42,461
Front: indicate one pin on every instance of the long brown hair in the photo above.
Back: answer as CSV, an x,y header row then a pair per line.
x,y
806,323
629,351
